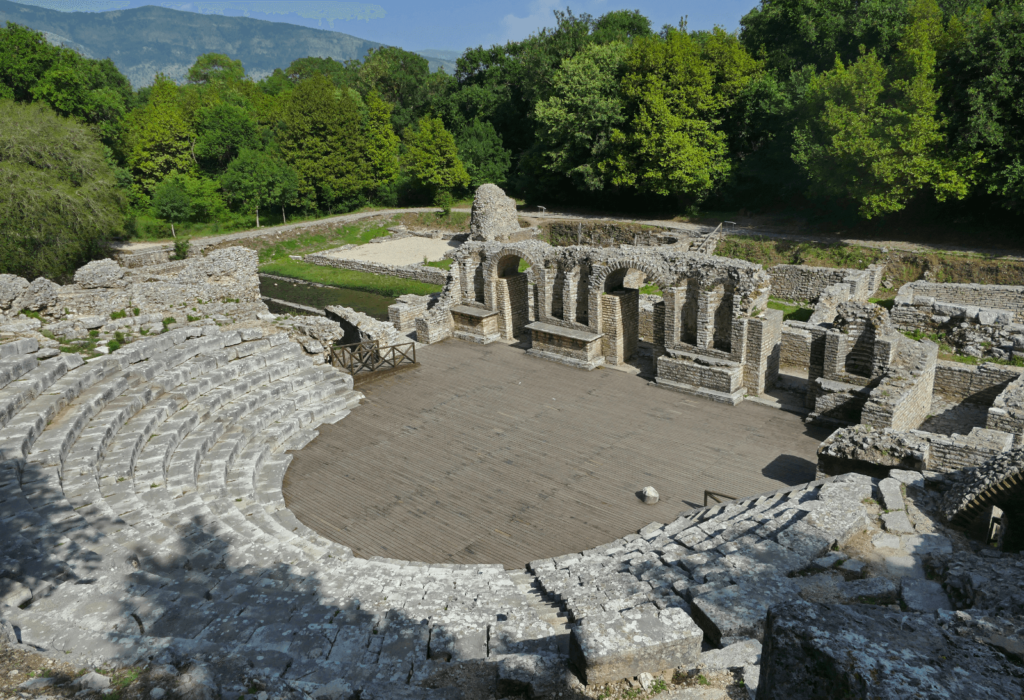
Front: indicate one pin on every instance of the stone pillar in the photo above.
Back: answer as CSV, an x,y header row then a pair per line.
x,y
671,330
707,304
569,284
512,305
764,345
620,319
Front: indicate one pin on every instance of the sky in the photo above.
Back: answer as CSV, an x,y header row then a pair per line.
x,y
416,25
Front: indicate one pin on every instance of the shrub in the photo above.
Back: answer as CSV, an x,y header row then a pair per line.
x,y
181,247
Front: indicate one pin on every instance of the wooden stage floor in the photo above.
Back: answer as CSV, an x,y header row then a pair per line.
x,y
485,454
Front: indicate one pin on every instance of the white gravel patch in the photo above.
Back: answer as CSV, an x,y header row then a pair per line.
x,y
404,251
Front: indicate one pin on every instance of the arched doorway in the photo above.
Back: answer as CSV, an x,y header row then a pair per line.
x,y
512,291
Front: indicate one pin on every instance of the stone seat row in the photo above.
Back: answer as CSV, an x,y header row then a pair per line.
x,y
146,514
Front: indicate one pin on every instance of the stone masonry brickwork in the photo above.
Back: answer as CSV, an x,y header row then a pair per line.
x,y
494,216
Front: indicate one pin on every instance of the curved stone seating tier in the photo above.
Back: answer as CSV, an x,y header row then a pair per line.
x,y
141,502
140,496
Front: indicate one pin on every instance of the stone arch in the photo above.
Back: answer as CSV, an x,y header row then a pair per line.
x,y
471,273
615,310
508,291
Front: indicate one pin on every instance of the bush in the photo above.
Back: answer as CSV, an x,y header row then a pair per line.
x,y
59,199
181,247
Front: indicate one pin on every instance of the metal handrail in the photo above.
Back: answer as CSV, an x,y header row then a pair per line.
x,y
719,497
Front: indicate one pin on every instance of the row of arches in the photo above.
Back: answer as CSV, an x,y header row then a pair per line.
x,y
600,292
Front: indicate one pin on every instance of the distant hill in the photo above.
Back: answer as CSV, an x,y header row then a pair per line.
x,y
148,40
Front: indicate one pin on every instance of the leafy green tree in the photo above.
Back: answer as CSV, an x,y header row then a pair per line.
x,y
983,97
482,154
93,92
381,143
403,80
321,137
211,68
620,25
184,198
677,89
342,73
157,140
224,130
172,202
577,121
432,158
256,180
59,199
872,134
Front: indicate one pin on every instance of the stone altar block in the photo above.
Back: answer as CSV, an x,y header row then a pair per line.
x,y
569,346
477,325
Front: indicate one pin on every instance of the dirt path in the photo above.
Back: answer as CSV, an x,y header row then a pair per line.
x,y
536,218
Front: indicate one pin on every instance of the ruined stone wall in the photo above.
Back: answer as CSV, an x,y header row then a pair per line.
x,y
512,304
764,336
406,309
904,396
652,319
806,283
620,321
977,384
419,273
1007,411
927,294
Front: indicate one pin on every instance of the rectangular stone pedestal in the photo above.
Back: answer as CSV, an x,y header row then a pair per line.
x,y
718,380
477,325
566,345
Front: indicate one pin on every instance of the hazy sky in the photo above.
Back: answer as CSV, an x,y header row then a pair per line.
x,y
420,24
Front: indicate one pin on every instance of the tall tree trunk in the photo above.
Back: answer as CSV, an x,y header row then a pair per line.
x,y
284,219
257,217
173,234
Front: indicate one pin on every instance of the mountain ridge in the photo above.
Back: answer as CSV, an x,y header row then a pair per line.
x,y
146,40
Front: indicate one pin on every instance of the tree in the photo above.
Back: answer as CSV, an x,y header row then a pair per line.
x,y
677,89
182,197
59,199
157,140
172,202
255,179
224,130
214,68
400,78
983,97
620,25
577,121
481,152
92,92
872,134
382,145
321,137
432,158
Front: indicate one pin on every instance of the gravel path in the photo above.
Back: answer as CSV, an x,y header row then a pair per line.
x,y
403,251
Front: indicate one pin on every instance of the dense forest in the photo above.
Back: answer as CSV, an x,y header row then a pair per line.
x,y
861,109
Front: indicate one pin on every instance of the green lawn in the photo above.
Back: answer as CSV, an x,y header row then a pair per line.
x,y
357,233
790,311
443,264
349,279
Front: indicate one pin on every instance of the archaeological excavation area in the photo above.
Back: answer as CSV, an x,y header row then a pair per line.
x,y
217,495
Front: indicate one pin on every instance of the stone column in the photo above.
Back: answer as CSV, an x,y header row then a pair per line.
x,y
672,330
512,305
620,320
707,304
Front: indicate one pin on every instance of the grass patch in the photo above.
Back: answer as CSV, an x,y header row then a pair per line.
x,y
443,264
457,221
32,314
651,289
791,312
884,303
348,279
270,250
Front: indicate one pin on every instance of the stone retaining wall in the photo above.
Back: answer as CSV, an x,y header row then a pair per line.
x,y
904,396
1007,411
987,296
419,273
977,384
806,283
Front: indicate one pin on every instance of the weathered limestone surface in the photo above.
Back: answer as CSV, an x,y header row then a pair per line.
x,y
494,216
816,651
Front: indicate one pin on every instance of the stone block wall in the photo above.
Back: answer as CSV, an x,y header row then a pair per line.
x,y
406,309
652,319
806,283
904,396
977,384
620,323
513,304
719,376
764,336
956,452
419,273
988,296
1007,411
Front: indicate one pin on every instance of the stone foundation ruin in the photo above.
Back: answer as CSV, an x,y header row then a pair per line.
x,y
144,523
